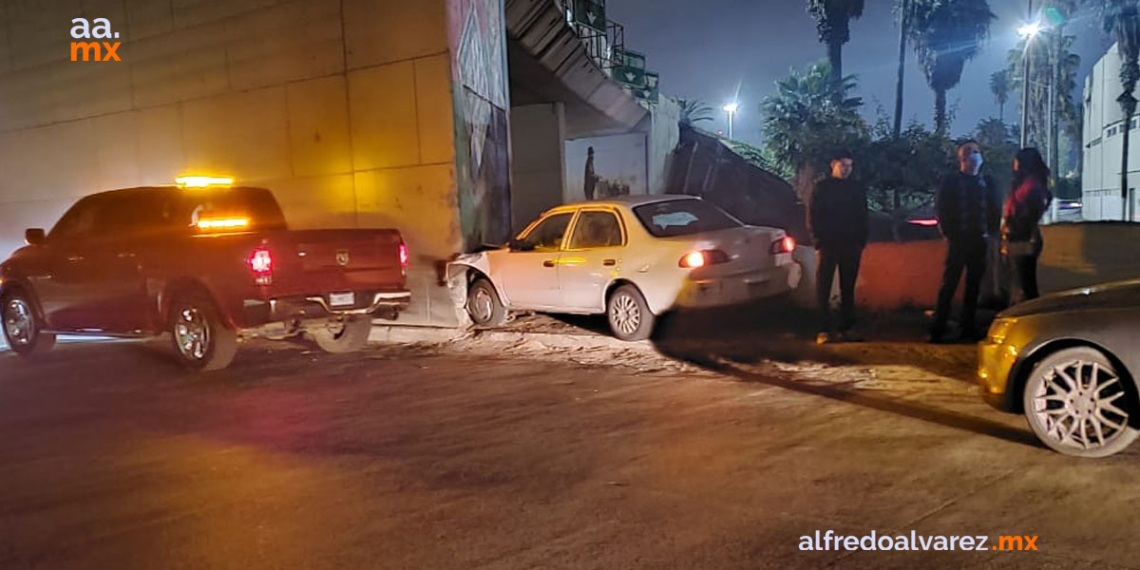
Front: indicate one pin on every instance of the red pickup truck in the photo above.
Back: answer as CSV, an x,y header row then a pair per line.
x,y
207,265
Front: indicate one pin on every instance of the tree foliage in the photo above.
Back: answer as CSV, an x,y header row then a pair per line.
x,y
1000,87
1041,57
946,34
694,111
803,121
833,23
901,173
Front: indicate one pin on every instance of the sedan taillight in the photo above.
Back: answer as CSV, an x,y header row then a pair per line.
x,y
702,258
786,244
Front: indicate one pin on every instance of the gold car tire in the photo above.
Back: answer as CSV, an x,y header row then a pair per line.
x,y
1078,404
628,314
23,325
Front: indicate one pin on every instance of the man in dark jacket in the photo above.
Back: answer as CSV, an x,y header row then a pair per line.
x,y
838,221
969,214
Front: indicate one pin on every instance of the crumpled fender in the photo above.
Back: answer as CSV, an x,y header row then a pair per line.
x,y
464,261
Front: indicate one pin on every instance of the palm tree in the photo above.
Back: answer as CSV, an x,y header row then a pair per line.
x,y
947,34
1121,18
999,86
1052,84
694,111
833,21
808,117
904,9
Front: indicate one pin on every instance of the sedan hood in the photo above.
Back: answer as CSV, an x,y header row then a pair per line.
x,y
1120,294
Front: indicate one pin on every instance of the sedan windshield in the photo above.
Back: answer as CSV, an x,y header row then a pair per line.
x,y
683,217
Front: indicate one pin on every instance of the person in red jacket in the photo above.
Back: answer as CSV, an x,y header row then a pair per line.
x,y
1029,198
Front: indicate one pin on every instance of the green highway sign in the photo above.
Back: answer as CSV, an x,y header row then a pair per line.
x,y
591,13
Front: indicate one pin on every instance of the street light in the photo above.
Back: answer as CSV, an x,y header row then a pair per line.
x,y
731,109
1030,30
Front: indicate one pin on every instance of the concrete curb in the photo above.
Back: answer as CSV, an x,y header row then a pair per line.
x,y
387,334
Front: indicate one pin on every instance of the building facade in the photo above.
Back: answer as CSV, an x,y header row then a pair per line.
x,y
1103,146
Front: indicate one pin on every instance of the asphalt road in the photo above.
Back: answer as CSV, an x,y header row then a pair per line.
x,y
523,457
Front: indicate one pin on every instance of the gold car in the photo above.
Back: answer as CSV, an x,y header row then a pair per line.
x,y
1069,362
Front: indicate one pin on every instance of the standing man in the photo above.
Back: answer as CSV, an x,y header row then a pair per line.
x,y
838,222
969,213
591,177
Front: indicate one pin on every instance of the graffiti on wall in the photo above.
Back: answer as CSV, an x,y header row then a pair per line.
x,y
482,132
606,167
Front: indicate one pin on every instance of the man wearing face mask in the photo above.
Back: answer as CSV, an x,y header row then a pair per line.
x,y
838,221
969,213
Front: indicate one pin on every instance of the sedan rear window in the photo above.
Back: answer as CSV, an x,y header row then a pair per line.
x,y
683,217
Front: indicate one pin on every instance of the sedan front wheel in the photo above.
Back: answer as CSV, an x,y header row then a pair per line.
x,y
1078,404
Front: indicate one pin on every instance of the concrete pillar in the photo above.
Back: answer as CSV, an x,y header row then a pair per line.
x,y
355,113
537,160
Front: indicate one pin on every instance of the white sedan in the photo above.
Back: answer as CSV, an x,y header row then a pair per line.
x,y
631,258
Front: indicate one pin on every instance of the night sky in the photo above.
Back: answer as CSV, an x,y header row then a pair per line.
x,y
705,48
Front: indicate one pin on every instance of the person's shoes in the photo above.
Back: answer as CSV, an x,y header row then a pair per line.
x,y
849,336
824,338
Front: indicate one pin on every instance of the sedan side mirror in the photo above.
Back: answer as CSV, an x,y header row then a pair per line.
x,y
34,236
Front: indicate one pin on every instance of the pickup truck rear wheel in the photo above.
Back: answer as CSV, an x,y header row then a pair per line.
x,y
22,326
340,338
202,341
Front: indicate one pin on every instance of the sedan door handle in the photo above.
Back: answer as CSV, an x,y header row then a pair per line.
x,y
75,258
609,262
127,255
548,263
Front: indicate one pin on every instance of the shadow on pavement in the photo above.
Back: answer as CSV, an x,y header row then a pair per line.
x,y
910,409
733,341
778,330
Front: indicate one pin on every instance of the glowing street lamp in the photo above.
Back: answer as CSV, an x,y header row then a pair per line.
x,y
1030,30
731,109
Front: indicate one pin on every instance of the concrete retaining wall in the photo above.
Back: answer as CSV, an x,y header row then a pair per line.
x,y
896,275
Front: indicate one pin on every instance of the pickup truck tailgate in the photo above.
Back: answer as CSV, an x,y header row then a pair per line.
x,y
323,261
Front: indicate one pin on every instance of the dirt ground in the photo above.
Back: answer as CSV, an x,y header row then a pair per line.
x,y
477,454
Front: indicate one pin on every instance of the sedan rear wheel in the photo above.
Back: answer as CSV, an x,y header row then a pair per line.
x,y
1078,404
628,314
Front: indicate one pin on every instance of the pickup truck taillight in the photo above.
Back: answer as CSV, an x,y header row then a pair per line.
x,y
261,264
403,255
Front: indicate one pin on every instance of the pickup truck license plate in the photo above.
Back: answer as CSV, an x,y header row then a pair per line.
x,y
342,299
